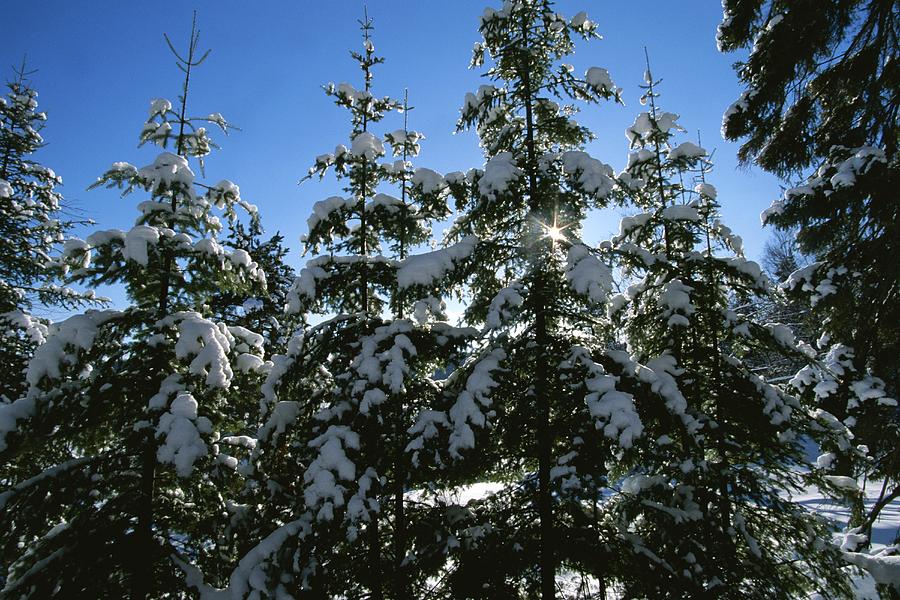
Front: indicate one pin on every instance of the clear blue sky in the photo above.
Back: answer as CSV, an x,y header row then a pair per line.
x,y
101,61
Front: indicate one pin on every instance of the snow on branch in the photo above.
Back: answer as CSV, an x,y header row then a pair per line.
x,y
431,267
251,569
587,274
588,174
465,412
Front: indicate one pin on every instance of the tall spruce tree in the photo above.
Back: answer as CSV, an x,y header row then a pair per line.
x,y
348,406
31,230
540,409
820,99
112,471
704,499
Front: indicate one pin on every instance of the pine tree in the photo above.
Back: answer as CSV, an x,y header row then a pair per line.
x,y
30,231
821,100
535,408
702,502
113,475
347,407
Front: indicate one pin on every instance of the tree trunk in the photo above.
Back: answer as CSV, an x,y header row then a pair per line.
x,y
375,560
400,588
143,551
541,388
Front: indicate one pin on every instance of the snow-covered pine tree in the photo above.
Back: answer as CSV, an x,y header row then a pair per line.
x,y
820,100
119,476
704,505
336,453
31,230
533,409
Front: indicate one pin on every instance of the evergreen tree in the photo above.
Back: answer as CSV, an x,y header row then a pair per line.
x,y
537,408
30,231
348,406
821,99
781,257
704,499
112,471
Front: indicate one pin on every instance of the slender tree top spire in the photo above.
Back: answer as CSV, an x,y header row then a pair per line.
x,y
648,79
367,26
21,72
186,64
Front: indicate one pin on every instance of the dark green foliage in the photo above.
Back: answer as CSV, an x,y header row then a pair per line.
x,y
31,229
30,204
263,313
112,470
337,472
819,74
701,506
822,99
539,292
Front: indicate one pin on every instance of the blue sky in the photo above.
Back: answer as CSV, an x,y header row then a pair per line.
x,y
101,62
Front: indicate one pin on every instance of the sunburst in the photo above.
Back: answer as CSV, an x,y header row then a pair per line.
x,y
555,232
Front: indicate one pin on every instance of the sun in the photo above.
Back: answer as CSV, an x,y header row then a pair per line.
x,y
554,232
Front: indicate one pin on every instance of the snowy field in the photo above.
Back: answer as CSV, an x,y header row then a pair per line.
x,y
884,531
886,528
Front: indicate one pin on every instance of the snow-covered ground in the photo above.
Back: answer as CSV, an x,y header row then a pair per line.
x,y
885,529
